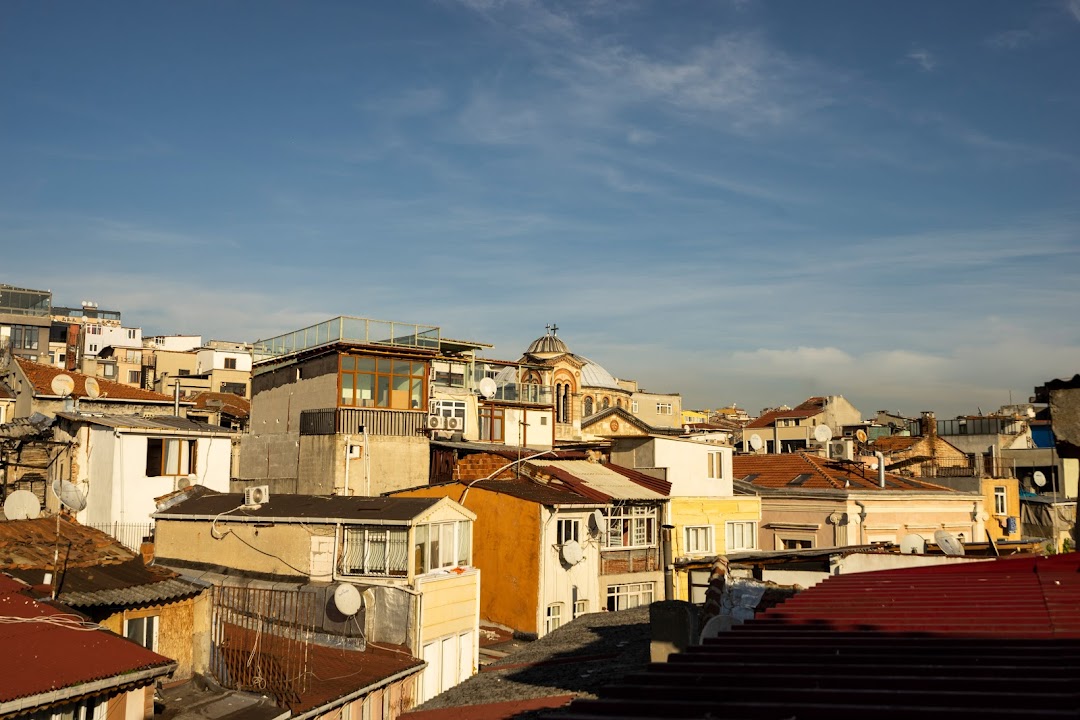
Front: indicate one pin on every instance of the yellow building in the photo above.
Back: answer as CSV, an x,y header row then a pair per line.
x,y
695,417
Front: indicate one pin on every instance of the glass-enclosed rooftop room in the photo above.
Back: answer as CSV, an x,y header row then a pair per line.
x,y
21,301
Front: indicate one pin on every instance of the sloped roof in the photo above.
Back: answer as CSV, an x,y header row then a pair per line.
x,y
168,423
970,641
606,482
525,489
311,508
95,569
228,403
808,408
804,471
894,443
52,653
41,377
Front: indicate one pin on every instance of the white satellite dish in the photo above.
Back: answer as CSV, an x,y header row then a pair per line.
x,y
913,544
1031,412
756,442
62,385
861,435
488,388
949,543
22,505
571,552
596,522
1039,478
822,433
70,496
93,390
347,599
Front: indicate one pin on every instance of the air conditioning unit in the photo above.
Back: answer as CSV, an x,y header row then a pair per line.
x,y
436,422
453,423
257,495
842,450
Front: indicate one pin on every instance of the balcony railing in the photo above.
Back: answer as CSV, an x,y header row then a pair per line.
x,y
353,421
350,329
130,535
524,393
616,562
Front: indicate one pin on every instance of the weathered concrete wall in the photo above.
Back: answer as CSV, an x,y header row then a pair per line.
x,y
265,457
279,396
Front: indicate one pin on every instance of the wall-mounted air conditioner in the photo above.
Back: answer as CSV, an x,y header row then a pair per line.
x,y
257,495
436,422
453,423
842,449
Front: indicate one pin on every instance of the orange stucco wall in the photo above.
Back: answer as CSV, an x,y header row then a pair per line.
x,y
506,548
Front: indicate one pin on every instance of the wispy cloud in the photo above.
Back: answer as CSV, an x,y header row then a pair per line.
x,y
923,58
1011,39
1073,8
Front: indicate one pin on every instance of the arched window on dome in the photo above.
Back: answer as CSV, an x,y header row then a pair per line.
x,y
606,403
588,407
618,402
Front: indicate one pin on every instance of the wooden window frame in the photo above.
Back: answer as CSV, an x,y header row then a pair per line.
x,y
418,373
193,456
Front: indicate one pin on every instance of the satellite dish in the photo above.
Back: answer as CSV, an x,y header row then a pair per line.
x,y
822,433
22,505
860,435
93,390
596,521
62,385
1031,412
913,544
347,599
571,552
488,388
949,543
70,496
1039,478
756,442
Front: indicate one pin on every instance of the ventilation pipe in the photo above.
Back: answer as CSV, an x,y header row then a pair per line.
x,y
880,468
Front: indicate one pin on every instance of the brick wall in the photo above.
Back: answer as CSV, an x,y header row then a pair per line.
x,y
481,465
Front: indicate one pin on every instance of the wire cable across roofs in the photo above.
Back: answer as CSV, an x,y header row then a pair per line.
x,y
214,534
71,622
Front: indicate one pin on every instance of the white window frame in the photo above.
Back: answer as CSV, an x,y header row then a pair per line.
x,y
663,408
630,595
153,621
567,529
634,407
1001,500
744,525
553,617
716,465
450,408
581,607
699,539
459,554
636,522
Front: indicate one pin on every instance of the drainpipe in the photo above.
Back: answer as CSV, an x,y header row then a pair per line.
x,y
348,447
176,398
880,468
367,463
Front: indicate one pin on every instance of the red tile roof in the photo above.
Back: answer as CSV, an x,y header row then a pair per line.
x,y
49,651
808,408
894,443
975,641
41,377
779,471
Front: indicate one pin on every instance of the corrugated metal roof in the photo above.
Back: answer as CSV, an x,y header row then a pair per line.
x,y
600,477
167,423
282,506
535,492
980,641
42,656
594,375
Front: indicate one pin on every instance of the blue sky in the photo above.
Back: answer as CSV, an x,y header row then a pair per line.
x,y
738,200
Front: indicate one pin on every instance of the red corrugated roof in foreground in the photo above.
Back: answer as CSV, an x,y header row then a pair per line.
x,y
976,641
490,711
41,655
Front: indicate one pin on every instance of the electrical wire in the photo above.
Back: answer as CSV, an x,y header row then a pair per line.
x,y
70,622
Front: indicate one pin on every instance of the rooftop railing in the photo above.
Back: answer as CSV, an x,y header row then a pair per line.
x,y
351,329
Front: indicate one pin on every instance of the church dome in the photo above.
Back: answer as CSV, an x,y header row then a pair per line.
x,y
595,376
547,346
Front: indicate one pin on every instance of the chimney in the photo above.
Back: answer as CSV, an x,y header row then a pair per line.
x,y
928,424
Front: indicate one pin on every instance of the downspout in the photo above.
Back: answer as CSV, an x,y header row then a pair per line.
x,y
669,559
176,397
367,464
880,468
348,449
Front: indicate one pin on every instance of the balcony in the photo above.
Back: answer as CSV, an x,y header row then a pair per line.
x,y
361,331
524,393
353,421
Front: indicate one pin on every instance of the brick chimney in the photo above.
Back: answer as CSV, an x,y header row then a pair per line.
x,y
928,424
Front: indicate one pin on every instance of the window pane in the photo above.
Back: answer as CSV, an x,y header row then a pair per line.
x,y
398,552
384,365
418,395
346,389
365,390
464,540
365,364
384,391
401,383
420,548
375,555
153,457
348,362
446,532
172,457
401,367
186,449
419,369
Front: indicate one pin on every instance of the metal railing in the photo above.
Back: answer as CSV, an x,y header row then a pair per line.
x,y
350,329
353,421
130,535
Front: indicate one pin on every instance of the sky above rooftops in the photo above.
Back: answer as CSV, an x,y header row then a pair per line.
x,y
741,201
